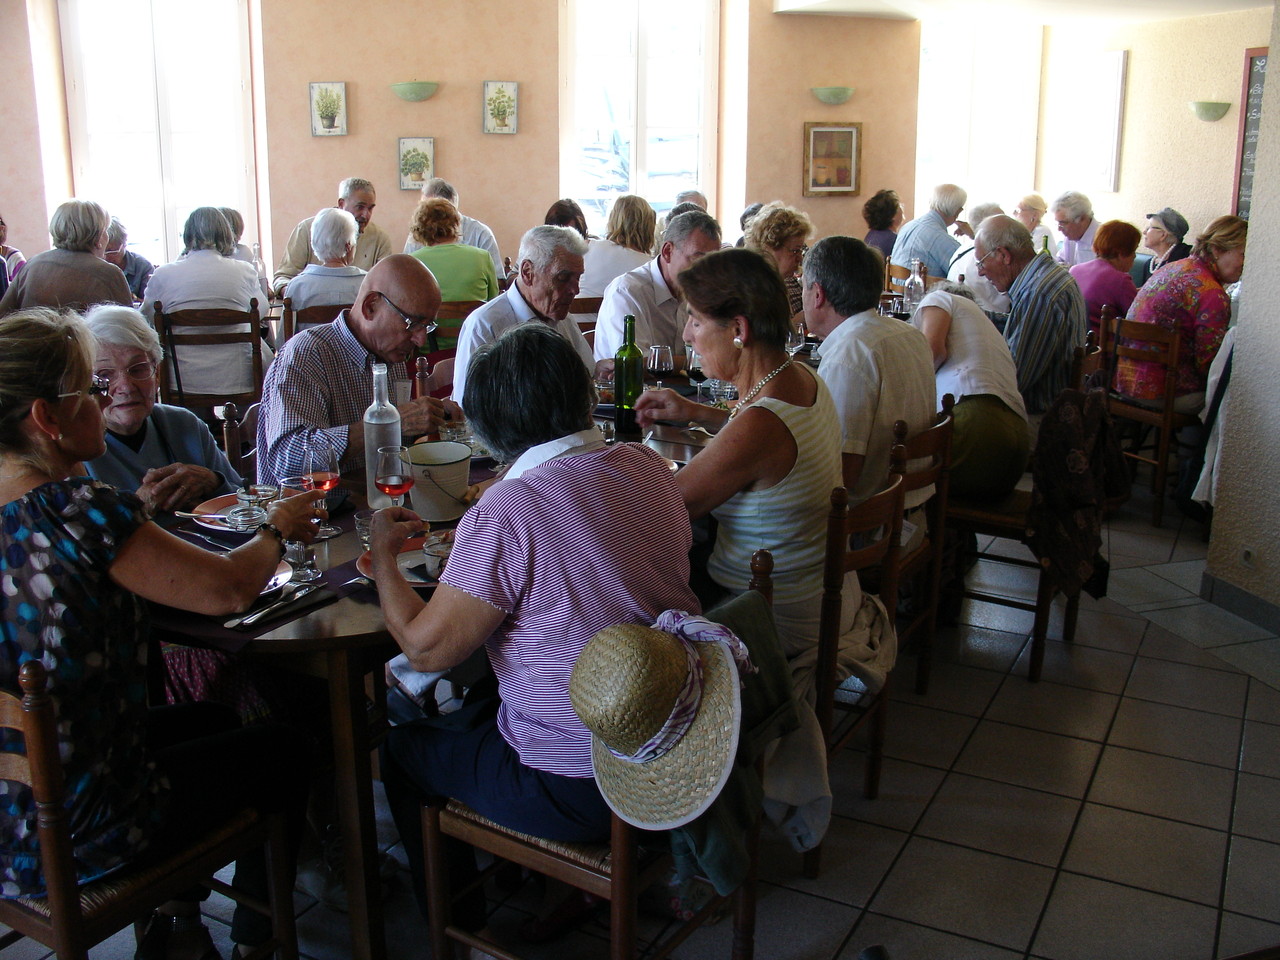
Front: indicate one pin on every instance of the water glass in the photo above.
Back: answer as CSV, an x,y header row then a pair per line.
x,y
364,526
303,560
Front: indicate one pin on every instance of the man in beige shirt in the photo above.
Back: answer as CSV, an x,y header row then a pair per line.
x,y
358,198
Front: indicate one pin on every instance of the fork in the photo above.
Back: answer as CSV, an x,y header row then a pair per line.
x,y
286,595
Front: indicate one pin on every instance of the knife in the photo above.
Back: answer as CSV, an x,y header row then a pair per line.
x,y
274,608
217,543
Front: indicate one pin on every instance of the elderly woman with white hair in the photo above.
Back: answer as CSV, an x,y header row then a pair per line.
x,y
335,280
1030,212
208,278
164,454
73,274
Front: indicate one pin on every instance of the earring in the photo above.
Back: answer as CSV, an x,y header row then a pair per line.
x,y
737,342
58,438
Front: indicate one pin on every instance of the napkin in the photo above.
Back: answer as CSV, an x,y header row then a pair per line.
x,y
291,610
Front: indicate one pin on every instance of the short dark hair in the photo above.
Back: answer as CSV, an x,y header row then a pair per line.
x,y
880,210
740,283
527,387
567,213
850,272
207,229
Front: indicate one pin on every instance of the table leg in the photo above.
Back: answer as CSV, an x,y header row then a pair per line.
x,y
354,782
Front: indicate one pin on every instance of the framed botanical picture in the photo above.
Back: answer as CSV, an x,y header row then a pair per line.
x,y
500,101
832,159
329,109
416,161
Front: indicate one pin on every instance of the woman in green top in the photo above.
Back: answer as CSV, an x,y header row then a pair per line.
x,y
463,272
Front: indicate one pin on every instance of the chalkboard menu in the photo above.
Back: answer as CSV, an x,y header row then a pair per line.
x,y
1255,74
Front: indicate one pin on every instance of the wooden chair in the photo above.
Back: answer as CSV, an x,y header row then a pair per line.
x,y
184,328
443,340
1150,343
616,872
934,446
898,278
508,275
585,305
1087,360
877,520
239,439
72,918
292,321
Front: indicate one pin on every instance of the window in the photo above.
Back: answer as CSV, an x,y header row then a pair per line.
x,y
160,114
642,102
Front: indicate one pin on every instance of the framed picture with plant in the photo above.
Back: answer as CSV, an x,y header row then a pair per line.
x,y
501,98
416,161
329,109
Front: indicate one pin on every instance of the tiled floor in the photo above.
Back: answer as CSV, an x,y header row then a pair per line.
x,y
1127,806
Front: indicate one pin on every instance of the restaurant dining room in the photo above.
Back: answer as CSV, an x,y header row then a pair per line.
x,y
425,609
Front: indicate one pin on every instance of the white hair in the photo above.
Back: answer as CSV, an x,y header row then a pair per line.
x,y
1001,231
120,326
1074,204
948,200
332,231
540,243
980,211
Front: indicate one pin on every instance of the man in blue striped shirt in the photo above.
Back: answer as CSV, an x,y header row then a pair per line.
x,y
1047,318
925,238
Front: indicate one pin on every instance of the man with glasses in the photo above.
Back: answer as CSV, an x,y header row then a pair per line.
x,y
137,269
165,454
1047,318
320,384
1074,215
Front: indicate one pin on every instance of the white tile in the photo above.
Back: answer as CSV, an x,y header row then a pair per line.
x,y
1137,585
1185,574
1208,625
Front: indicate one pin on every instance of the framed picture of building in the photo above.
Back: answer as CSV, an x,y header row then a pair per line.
x,y
832,159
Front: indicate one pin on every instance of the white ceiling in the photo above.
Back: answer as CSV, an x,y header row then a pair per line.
x,y
1037,11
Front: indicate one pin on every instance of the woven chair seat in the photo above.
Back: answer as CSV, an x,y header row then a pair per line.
x,y
99,894
1008,512
593,856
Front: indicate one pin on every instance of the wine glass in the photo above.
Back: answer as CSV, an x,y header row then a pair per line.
x,y
795,339
322,471
658,362
393,476
300,555
693,366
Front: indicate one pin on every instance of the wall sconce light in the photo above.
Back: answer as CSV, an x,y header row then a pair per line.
x,y
415,90
1209,110
832,95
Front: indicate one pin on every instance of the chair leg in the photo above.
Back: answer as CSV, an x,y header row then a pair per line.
x,y
435,865
1160,477
875,749
1069,618
283,922
623,895
744,902
1040,629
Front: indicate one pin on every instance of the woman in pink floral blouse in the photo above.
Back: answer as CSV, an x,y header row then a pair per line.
x,y
1188,296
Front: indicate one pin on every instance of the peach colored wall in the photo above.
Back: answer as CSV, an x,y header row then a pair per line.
x,y
1168,157
790,53
506,181
21,175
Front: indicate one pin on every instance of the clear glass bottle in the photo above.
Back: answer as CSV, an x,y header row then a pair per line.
x,y
628,378
261,270
381,429
913,289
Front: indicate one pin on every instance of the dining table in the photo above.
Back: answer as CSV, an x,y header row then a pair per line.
x,y
343,641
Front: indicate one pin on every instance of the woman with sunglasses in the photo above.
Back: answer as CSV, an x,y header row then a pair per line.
x,y
165,454
79,560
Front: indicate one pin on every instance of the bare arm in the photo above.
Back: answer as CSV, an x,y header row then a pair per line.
x,y
755,451
653,405
435,635
157,565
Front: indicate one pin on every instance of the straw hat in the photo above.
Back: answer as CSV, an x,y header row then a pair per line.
x,y
625,685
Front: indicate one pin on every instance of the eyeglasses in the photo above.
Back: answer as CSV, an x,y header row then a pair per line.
x,y
411,324
119,249
140,372
981,260
98,387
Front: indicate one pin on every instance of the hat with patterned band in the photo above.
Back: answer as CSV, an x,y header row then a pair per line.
x,y
664,707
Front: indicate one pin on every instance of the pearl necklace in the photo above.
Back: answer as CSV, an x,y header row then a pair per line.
x,y
746,401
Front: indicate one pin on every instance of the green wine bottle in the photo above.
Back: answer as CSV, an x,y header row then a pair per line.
x,y
628,378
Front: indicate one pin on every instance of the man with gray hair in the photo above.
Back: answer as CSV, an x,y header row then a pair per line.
x,y
335,280
358,198
651,292
692,196
926,239
1047,318
964,265
137,269
1074,214
547,274
472,232
878,369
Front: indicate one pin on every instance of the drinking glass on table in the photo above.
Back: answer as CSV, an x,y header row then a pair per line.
x,y
394,476
658,362
322,471
299,555
795,338
694,368
251,506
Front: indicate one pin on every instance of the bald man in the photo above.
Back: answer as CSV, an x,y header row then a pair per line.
x,y
321,382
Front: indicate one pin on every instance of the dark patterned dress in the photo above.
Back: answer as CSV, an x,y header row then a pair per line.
x,y
58,604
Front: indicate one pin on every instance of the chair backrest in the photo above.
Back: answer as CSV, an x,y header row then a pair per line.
x,y
879,516
585,305
933,447
237,434
1149,343
1087,360
449,319
291,321
898,278
189,329
508,275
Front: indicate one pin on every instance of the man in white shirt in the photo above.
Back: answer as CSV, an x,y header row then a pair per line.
x,y
550,266
1074,214
472,232
651,292
358,198
878,369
